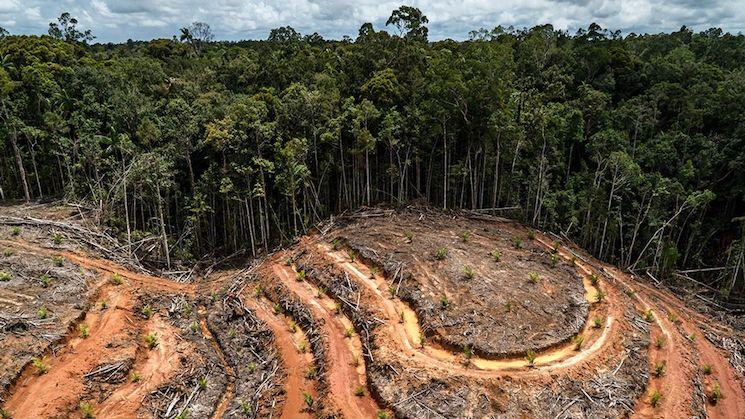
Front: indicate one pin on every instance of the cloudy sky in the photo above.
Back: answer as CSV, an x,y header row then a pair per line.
x,y
118,20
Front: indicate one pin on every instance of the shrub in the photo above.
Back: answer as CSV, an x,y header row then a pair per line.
x,y
441,253
444,302
659,369
530,356
40,365
533,277
117,279
87,410
83,330
716,394
202,383
58,261
309,402
57,239
14,231
578,341
42,313
359,391
465,236
45,280
496,255
597,322
300,275
594,279
659,342
655,398
600,296
468,272
706,369
4,276
648,315
152,340
517,242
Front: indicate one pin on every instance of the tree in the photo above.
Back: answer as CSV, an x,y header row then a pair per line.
x,y
66,29
411,20
197,35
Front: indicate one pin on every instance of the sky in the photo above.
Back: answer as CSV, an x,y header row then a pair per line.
x,y
119,20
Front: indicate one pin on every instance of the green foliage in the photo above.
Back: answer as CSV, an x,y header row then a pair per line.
x,y
83,330
117,279
4,276
40,365
300,275
579,340
151,339
465,236
468,272
659,368
496,255
597,322
8,253
648,315
533,277
441,253
655,398
58,261
87,410
45,280
706,369
57,239
309,401
202,382
659,342
715,394
530,356
42,313
15,231
147,311
444,302
359,391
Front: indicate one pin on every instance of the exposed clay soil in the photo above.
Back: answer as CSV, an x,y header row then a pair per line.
x,y
350,321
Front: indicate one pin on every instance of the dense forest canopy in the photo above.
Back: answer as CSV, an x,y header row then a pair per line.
x,y
633,146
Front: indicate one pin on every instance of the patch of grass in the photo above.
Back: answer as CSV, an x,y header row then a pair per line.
x,y
349,332
468,272
117,279
87,410
597,322
441,253
58,261
135,377
533,277
706,369
496,255
83,330
42,313
151,339
202,383
41,366
648,315
311,373
251,367
4,276
57,239
530,356
309,402
465,236
659,342
655,398
444,302
517,242
359,391
659,368
14,231
300,275
578,341
8,253
716,393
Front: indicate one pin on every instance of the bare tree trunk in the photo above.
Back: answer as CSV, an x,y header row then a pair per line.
x,y
163,226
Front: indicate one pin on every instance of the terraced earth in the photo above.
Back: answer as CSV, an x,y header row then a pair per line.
x,y
380,313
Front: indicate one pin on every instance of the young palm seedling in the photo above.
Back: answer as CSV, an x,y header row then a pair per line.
x,y
4,276
40,365
597,322
441,253
58,261
87,410
659,369
655,398
716,394
706,369
578,341
15,231
83,330
465,236
530,356
359,391
659,342
57,239
496,255
151,339
648,315
533,277
468,272
42,313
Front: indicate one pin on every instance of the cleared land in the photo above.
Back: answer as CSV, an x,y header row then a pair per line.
x,y
410,314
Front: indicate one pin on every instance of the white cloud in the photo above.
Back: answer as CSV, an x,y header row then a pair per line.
x,y
117,20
